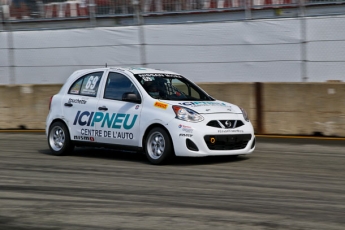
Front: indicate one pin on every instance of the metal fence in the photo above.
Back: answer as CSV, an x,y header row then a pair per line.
x,y
19,10
295,49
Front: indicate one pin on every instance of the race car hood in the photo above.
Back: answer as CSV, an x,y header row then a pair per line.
x,y
207,107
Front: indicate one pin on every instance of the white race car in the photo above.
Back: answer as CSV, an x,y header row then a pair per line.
x,y
160,112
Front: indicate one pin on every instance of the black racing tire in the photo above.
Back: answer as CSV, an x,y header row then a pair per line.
x,y
59,140
158,146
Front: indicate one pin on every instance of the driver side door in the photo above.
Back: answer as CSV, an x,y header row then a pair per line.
x,y
117,119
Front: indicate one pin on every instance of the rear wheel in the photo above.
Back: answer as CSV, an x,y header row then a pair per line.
x,y
158,146
59,140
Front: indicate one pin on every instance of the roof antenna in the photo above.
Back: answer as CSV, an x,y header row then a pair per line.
x,y
106,65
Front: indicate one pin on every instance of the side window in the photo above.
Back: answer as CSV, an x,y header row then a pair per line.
x,y
118,84
87,85
75,89
185,89
182,87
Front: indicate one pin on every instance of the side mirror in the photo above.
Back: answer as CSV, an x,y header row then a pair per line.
x,y
131,97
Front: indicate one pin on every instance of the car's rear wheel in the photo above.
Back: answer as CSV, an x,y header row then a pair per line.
x,y
59,140
158,146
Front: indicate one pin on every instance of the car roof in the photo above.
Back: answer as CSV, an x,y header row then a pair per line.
x,y
133,70
141,70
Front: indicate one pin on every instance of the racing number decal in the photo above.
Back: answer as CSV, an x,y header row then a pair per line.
x,y
91,83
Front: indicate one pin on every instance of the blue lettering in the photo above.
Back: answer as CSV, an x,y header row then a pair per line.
x,y
90,119
108,120
80,121
132,123
76,118
118,119
98,117
115,121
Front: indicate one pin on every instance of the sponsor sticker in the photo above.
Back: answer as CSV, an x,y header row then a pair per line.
x,y
230,131
159,75
203,103
147,78
76,101
186,128
161,105
185,135
84,138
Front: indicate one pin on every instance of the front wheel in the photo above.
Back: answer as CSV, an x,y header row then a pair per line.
x,y
59,139
158,146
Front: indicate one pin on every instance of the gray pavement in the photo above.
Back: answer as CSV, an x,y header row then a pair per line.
x,y
284,184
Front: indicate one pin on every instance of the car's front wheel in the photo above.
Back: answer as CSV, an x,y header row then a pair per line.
x,y
158,146
59,139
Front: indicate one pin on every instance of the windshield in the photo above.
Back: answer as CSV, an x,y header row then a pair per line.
x,y
171,87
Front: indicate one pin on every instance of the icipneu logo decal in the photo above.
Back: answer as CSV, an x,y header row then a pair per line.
x,y
115,121
161,105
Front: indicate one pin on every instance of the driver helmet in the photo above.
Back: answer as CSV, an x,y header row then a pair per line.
x,y
151,89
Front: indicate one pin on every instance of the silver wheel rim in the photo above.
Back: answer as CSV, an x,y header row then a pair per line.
x,y
156,145
57,138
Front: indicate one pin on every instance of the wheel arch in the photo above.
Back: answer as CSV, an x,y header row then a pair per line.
x,y
63,121
149,128
56,120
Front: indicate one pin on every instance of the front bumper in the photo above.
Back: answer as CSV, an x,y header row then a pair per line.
x,y
200,139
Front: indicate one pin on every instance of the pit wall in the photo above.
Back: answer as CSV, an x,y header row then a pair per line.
x,y
274,108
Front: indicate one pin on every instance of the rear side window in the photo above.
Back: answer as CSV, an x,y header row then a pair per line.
x,y
86,85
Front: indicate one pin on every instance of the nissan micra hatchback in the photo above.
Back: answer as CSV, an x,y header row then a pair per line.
x,y
158,112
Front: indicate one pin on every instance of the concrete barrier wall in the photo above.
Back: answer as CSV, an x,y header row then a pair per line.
x,y
274,108
304,108
25,105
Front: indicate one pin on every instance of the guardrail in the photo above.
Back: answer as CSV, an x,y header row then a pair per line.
x,y
14,10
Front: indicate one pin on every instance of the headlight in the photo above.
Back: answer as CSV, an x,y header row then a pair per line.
x,y
186,114
245,114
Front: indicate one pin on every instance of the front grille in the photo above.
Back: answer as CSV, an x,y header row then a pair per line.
x,y
227,142
214,124
225,124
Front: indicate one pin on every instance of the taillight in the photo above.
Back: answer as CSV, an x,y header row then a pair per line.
x,y
50,102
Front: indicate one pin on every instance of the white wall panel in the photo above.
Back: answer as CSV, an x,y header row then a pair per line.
x,y
222,53
45,75
76,37
4,58
326,28
243,51
248,32
324,71
238,72
4,75
3,39
98,56
326,51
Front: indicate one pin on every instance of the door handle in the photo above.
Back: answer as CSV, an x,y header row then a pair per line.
x,y
103,108
68,104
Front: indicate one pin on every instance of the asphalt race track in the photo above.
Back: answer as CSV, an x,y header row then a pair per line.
x,y
285,184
